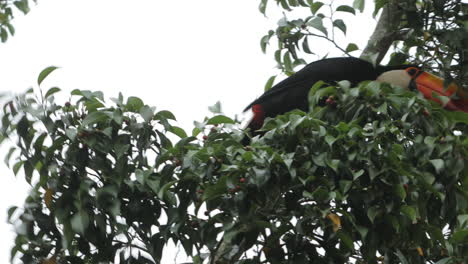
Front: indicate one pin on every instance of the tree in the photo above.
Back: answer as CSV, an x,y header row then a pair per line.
x,y
378,174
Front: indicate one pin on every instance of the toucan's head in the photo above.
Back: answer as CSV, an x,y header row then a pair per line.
x,y
429,85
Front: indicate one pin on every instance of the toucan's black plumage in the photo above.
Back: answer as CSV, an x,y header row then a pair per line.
x,y
292,92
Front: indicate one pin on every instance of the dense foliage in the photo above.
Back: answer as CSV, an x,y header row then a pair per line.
x,y
376,174
372,174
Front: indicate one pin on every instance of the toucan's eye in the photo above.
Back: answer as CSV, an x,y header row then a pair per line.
x,y
412,71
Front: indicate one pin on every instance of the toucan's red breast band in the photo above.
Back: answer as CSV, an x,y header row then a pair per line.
x,y
258,117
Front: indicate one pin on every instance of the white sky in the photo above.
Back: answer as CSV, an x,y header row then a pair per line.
x,y
181,56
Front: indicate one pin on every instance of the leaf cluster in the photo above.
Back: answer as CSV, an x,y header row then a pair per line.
x,y
433,34
7,14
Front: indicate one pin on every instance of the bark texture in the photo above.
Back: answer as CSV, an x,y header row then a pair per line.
x,y
385,32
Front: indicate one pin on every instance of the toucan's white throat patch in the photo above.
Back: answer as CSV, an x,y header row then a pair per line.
x,y
396,77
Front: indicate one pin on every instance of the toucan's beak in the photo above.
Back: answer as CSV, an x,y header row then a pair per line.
x,y
432,86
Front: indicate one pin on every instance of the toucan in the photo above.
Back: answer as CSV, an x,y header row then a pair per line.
x,y
292,92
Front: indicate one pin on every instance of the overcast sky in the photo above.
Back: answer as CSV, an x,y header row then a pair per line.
x,y
178,55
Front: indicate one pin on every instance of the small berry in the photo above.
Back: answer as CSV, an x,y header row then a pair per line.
x,y
242,180
67,104
207,213
330,101
426,113
205,137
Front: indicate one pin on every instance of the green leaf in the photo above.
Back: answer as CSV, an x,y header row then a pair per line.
x,y
8,156
264,41
400,191
11,211
314,7
321,194
410,212
372,213
460,236
141,175
351,47
44,73
278,56
80,221
17,166
164,114
165,188
330,139
3,35
262,7
438,164
220,119
216,108
147,113
345,185
71,133
462,220
305,46
22,6
214,191
270,82
117,116
457,116
333,164
359,4
134,104
51,91
340,24
378,5
383,108
346,8
346,239
11,29
287,62
358,174
285,5
95,117
178,131
196,131
317,23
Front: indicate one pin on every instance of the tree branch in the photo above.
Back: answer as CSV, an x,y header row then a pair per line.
x,y
385,32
